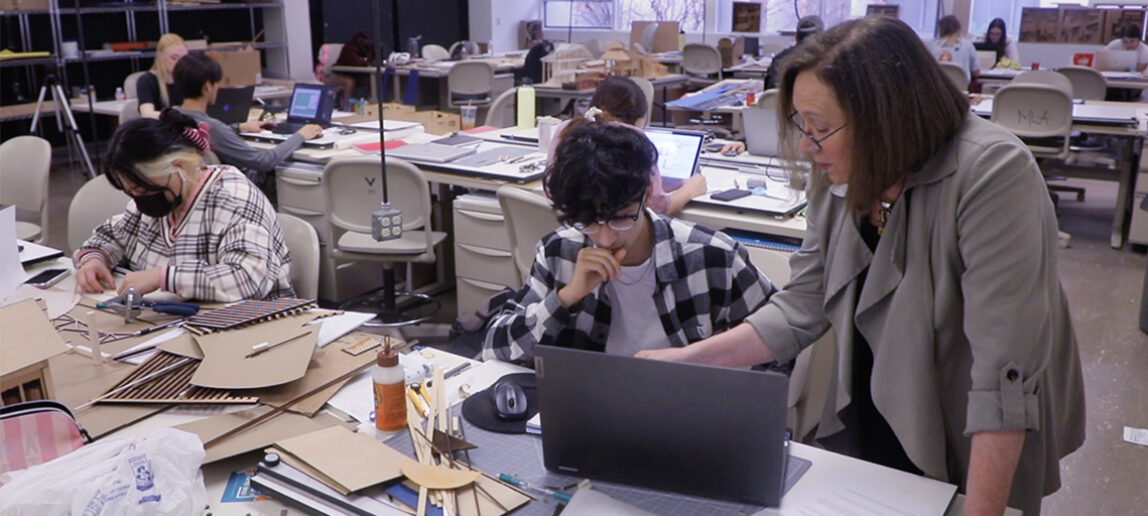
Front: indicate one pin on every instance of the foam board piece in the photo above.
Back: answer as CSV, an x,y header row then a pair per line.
x,y
344,460
228,362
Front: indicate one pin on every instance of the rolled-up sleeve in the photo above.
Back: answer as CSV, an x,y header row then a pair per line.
x,y
1007,242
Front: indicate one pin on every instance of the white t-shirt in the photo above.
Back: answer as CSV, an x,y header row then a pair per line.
x,y
962,53
634,323
1141,50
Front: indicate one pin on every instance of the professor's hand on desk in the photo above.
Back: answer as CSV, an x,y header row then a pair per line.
x,y
594,266
94,276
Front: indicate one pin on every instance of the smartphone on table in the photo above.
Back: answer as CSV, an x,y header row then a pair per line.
x,y
48,277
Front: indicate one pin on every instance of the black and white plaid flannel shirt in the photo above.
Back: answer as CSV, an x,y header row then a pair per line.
x,y
229,246
705,285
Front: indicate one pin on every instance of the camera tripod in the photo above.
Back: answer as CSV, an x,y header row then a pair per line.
x,y
65,121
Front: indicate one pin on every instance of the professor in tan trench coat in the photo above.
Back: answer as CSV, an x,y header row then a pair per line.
x,y
931,251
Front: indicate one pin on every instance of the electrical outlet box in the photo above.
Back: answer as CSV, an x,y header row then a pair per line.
x,y
387,223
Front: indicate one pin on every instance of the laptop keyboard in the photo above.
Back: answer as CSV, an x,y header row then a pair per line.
x,y
286,127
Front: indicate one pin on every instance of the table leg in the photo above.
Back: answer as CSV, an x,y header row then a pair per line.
x,y
1130,158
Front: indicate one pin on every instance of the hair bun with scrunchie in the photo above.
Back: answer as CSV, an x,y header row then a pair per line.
x,y
200,135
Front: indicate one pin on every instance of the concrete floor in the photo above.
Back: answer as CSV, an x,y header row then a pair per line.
x,y
1107,476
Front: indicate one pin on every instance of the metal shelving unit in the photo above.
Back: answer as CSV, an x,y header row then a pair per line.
x,y
269,13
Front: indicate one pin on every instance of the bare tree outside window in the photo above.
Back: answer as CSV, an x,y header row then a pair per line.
x,y
690,14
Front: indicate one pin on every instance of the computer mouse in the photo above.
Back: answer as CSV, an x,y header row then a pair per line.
x,y
730,153
346,130
509,401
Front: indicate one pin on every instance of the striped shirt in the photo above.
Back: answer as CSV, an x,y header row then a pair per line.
x,y
705,285
227,247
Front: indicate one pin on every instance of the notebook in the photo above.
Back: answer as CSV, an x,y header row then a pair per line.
x,y
310,104
678,153
699,430
232,104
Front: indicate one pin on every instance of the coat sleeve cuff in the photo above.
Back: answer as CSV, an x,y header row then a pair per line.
x,y
774,329
1010,408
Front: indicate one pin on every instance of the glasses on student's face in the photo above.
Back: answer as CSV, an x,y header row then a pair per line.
x,y
799,123
616,223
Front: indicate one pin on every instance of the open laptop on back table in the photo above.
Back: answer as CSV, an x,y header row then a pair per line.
x,y
707,431
232,104
678,153
310,104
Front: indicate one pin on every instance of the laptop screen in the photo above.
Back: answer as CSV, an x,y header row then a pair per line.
x,y
305,102
677,151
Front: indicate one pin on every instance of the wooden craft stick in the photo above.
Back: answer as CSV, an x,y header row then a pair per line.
x,y
93,338
264,347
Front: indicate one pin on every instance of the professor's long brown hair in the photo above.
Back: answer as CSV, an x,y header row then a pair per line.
x,y
899,106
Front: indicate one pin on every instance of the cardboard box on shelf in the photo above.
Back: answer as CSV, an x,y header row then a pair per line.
x,y
23,5
433,120
241,67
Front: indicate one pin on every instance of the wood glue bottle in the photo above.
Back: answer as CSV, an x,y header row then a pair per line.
x,y
390,381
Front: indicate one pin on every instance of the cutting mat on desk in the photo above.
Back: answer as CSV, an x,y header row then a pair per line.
x,y
521,455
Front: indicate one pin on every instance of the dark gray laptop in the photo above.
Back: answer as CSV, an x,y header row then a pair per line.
x,y
700,430
232,104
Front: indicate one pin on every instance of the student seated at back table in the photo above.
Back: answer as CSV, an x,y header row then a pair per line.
x,y
619,277
154,89
1129,40
199,76
200,231
619,99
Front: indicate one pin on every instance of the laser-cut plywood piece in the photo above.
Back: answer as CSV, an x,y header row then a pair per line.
x,y
244,313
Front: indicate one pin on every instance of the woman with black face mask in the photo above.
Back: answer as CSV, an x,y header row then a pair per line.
x,y
200,231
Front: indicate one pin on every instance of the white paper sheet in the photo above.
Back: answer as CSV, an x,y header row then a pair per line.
x,y
338,325
836,485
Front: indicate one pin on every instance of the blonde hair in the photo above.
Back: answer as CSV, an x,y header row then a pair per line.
x,y
165,42
161,166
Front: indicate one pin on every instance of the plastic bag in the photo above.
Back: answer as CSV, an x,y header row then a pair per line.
x,y
156,474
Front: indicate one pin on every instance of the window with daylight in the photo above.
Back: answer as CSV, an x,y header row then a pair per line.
x,y
777,15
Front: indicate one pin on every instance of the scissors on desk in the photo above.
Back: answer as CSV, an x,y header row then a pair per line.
x,y
131,303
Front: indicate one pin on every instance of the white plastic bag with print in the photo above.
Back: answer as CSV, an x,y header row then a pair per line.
x,y
154,475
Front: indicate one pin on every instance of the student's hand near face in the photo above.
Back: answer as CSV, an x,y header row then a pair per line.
x,y
310,131
143,281
594,266
94,276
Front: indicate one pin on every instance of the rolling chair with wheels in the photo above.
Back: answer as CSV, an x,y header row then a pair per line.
x,y
353,189
470,83
700,62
